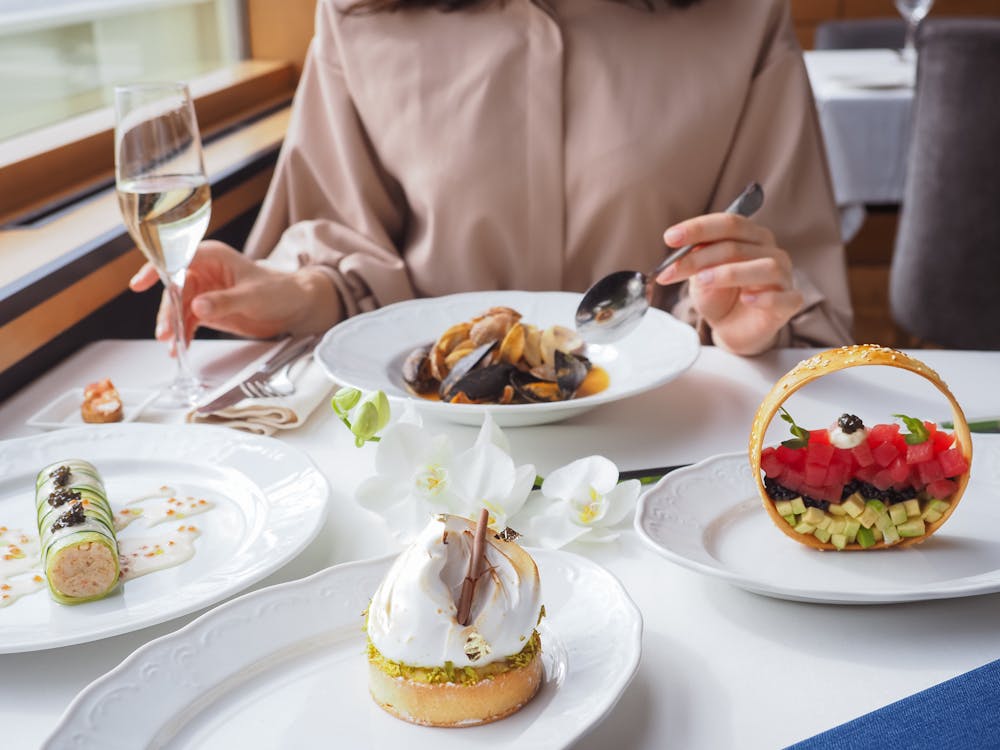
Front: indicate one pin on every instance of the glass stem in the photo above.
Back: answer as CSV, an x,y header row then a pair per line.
x,y
175,290
910,46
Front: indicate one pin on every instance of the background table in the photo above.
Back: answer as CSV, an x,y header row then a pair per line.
x,y
864,99
720,667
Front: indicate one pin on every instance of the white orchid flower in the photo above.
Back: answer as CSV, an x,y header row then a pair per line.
x,y
418,475
486,477
581,501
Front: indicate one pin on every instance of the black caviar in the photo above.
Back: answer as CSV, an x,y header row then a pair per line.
x,y
72,517
60,476
62,496
850,423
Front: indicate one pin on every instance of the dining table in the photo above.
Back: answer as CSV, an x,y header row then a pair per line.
x,y
720,667
864,100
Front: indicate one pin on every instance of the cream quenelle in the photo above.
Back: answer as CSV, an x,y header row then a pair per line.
x,y
412,616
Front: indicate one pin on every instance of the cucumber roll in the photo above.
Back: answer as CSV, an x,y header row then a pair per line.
x,y
76,528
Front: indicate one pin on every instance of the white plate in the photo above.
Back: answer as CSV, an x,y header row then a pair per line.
x,y
285,667
708,517
64,411
271,502
367,351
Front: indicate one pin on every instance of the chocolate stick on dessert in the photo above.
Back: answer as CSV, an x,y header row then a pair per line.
x,y
475,568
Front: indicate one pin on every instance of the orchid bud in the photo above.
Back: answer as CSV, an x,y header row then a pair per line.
x,y
345,399
370,417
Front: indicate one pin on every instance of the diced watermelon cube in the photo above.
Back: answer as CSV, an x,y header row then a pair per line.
x,y
953,462
899,470
831,492
815,474
862,453
819,437
885,454
920,452
883,479
931,428
793,479
771,465
942,489
930,471
867,473
882,433
820,454
942,441
791,456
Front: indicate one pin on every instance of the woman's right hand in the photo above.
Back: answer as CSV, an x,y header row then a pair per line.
x,y
229,292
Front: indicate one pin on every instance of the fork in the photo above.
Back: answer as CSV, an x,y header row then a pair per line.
x,y
277,385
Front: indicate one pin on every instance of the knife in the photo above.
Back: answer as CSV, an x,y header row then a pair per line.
x,y
291,351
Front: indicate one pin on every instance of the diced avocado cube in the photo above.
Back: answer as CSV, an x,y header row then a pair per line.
x,y
939,505
930,516
913,527
865,537
877,505
897,513
854,505
883,521
805,528
839,540
837,525
912,507
868,518
851,529
813,516
798,506
890,535
824,522
836,509
822,534
877,533
784,508
790,520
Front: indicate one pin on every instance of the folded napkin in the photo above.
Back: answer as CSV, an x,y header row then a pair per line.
x,y
265,416
962,712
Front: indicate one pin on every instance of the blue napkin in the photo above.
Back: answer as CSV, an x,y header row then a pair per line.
x,y
963,712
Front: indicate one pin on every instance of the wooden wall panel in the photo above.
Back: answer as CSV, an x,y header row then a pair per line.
x,y
280,30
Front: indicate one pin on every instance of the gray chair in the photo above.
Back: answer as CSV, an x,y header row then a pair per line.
x,y
861,33
944,281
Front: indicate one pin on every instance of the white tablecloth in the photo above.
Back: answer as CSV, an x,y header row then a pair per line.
x,y
864,99
721,668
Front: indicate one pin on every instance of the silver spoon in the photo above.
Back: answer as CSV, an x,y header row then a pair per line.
x,y
613,306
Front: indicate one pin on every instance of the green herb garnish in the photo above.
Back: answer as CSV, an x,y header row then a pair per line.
x,y
801,439
917,431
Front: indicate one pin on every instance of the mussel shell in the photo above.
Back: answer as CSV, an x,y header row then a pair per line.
x,y
417,370
479,384
571,370
535,390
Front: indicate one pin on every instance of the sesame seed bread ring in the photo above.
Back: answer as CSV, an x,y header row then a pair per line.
x,y
840,359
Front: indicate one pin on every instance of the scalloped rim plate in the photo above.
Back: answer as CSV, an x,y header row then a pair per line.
x,y
285,667
708,518
270,503
367,352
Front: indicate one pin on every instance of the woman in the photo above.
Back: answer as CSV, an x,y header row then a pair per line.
x,y
541,145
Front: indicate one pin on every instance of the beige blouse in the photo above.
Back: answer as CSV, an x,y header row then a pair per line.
x,y
541,144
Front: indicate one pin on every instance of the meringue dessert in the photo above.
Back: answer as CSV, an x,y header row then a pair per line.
x,y
427,668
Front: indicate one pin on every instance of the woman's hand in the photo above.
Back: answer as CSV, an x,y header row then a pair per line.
x,y
740,280
229,292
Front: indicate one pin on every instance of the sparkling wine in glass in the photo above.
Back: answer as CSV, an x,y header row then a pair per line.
x,y
164,198
913,12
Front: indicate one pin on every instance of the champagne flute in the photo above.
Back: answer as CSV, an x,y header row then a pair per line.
x,y
165,199
913,12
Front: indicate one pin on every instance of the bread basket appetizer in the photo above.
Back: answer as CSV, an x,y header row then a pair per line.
x,y
854,486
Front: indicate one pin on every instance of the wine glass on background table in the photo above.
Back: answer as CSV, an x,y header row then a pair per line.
x,y
165,199
913,12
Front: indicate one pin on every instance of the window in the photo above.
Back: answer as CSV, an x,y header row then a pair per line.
x,y
61,58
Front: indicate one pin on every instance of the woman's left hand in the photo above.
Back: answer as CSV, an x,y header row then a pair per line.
x,y
740,280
